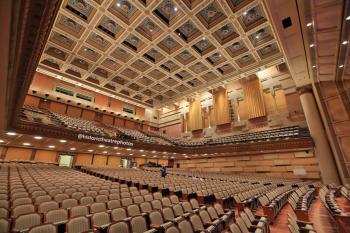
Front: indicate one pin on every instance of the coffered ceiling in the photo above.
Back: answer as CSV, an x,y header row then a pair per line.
x,y
154,52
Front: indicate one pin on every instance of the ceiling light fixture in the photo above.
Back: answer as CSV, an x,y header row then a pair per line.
x,y
344,42
26,144
341,66
118,153
244,13
312,45
11,133
309,24
128,149
141,150
115,147
101,146
73,148
2,141
131,154
118,4
348,18
313,66
38,137
90,150
104,152
63,141
51,146
175,8
143,155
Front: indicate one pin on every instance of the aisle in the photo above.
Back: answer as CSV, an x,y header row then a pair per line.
x,y
318,214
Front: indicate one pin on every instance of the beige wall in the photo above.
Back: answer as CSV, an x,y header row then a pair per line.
x,y
83,159
45,156
274,165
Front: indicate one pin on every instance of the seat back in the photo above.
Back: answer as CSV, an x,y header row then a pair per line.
x,y
133,210
156,218
22,209
185,226
47,228
47,206
234,228
98,207
240,223
80,210
172,229
113,204
4,225
196,222
212,212
26,221
56,216
178,210
138,224
146,207
118,214
168,213
100,219
78,224
69,203
118,227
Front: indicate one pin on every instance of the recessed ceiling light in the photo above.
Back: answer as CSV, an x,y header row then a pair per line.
x,y
73,148
348,18
116,147
313,66
172,157
128,149
164,152
186,156
118,153
174,153
51,146
26,144
154,156
63,141
312,45
101,146
104,152
175,9
118,4
309,24
38,137
203,38
2,141
341,66
141,150
344,42
153,152
131,154
90,150
244,13
11,133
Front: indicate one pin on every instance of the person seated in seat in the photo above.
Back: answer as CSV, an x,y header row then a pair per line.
x,y
163,171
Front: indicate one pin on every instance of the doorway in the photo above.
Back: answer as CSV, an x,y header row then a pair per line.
x,y
65,160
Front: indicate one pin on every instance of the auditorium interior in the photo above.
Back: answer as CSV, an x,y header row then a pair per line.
x,y
175,116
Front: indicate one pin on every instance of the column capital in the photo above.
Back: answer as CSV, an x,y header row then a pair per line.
x,y
304,89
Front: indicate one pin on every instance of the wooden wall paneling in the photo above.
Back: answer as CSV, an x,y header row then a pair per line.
x,y
107,119
45,156
281,101
31,100
3,151
74,111
88,115
269,102
100,160
16,153
101,101
113,161
42,83
221,108
83,159
129,124
58,107
253,98
195,114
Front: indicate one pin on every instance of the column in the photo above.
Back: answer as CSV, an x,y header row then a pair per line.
x,y
209,123
185,122
329,172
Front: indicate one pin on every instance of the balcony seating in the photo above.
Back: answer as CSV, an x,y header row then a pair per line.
x,y
33,114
